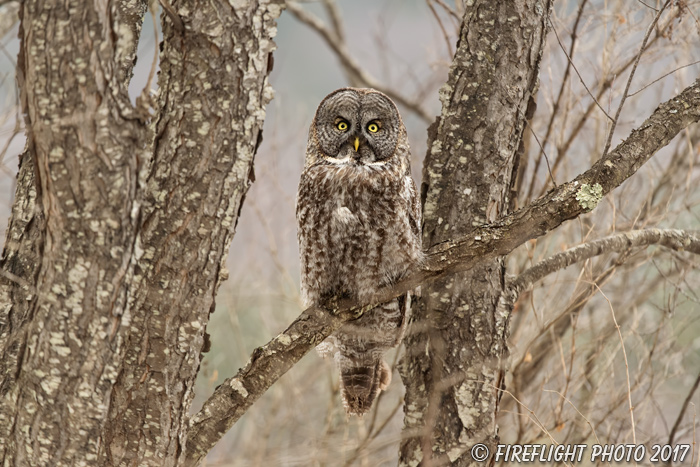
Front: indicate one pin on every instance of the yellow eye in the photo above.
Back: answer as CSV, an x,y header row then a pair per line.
x,y
342,126
373,127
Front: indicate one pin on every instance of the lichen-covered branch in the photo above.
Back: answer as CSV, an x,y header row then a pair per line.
x,y
678,240
625,243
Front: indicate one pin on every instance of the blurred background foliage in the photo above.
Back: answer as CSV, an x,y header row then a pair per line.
x,y
573,374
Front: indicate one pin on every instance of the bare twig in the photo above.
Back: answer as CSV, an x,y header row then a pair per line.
x,y
607,83
447,8
648,6
590,425
545,157
450,53
627,366
351,65
629,80
336,18
577,72
672,436
8,17
555,107
372,434
662,77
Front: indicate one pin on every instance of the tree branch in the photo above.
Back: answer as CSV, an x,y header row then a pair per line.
x,y
603,87
671,238
688,398
268,363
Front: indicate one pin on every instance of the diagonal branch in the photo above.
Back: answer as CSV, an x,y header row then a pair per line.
x,y
268,363
688,398
671,238
631,76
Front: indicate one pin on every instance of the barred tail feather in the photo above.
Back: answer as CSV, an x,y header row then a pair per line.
x,y
361,384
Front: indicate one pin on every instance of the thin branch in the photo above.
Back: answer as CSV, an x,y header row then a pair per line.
x,y
8,18
648,6
447,8
675,239
549,168
351,65
629,80
450,53
484,243
576,70
371,435
662,77
605,85
336,18
627,366
588,422
557,102
672,436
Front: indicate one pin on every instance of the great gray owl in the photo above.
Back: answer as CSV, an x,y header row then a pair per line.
x,y
359,223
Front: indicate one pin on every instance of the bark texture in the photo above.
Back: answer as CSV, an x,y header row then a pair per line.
x,y
119,233
455,354
213,91
70,238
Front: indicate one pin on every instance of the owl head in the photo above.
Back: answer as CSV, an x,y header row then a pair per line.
x,y
356,127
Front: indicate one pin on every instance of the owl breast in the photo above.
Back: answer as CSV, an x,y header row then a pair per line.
x,y
357,231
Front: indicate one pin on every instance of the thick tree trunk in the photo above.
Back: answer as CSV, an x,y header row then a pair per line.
x,y
454,360
213,91
71,234
116,243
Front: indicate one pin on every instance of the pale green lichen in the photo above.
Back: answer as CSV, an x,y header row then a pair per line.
x,y
237,386
589,196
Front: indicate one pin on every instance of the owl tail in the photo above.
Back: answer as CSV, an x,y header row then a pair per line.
x,y
360,384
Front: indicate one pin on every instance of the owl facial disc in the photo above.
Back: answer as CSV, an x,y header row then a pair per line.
x,y
357,127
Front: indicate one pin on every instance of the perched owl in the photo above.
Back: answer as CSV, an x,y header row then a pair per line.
x,y
359,223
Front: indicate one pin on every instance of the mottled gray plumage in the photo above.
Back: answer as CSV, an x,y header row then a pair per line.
x,y
359,223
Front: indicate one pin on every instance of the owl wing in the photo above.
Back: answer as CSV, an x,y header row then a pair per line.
x,y
414,211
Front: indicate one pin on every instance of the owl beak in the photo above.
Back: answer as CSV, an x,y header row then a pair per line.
x,y
357,143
